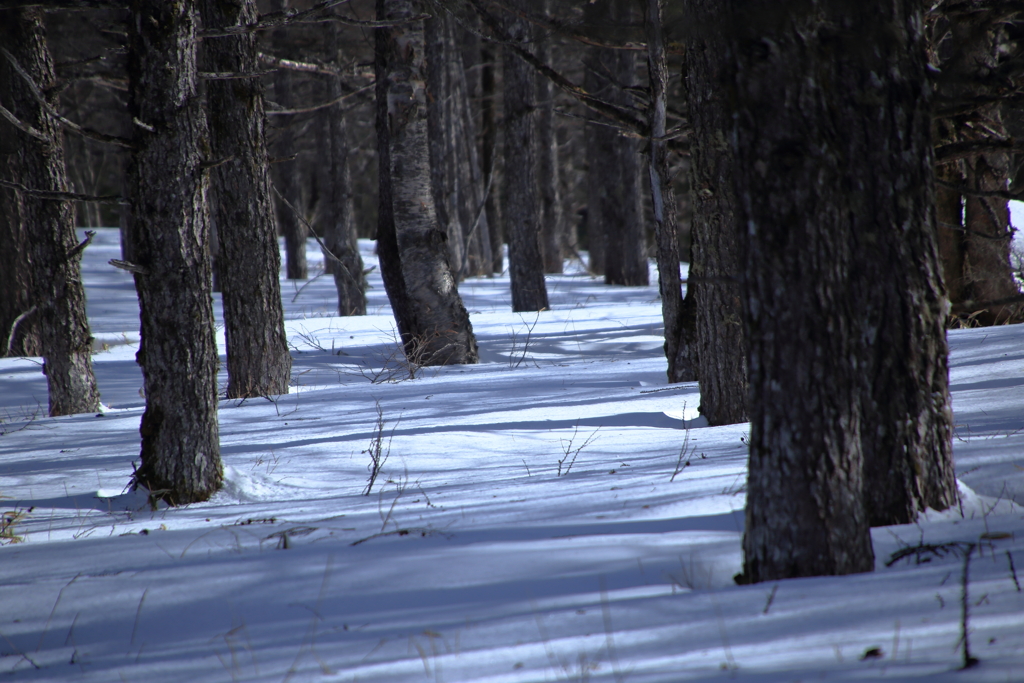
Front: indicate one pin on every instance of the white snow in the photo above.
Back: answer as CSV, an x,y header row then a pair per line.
x,y
472,559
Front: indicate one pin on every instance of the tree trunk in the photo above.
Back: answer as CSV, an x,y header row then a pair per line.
x,y
552,227
489,154
680,344
337,218
259,363
19,333
413,250
600,173
166,194
714,263
840,285
521,209
470,184
286,173
57,293
975,244
440,123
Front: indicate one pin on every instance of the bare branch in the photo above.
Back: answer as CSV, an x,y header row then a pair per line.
x,y
317,107
54,5
21,125
129,266
971,306
607,109
293,65
311,15
38,95
972,148
59,196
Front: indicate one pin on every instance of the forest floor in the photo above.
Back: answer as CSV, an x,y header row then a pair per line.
x,y
554,513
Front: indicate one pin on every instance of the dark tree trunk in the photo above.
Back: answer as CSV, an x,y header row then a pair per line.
x,y
57,294
489,153
840,285
552,227
19,328
521,209
680,346
974,245
166,194
413,249
470,184
440,125
337,217
714,263
249,259
600,174
286,173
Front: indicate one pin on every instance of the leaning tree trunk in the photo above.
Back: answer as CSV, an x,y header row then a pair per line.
x,y
521,210
286,173
714,262
249,259
680,345
840,285
552,227
166,195
338,217
413,249
57,294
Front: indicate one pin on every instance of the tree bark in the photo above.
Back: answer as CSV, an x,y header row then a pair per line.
x,y
551,222
489,154
413,250
714,263
841,289
259,363
521,209
441,133
57,294
337,218
166,194
17,329
677,316
975,244
286,173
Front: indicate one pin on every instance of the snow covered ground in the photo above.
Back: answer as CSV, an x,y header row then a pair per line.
x,y
555,513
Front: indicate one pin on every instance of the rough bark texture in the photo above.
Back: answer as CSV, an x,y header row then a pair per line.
x,y
48,226
677,316
337,218
413,249
166,194
259,363
15,264
840,283
286,173
974,231
521,209
714,263
552,227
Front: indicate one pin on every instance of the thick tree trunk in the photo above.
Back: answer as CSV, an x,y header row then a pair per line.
x,y
413,249
57,293
840,285
286,173
521,209
714,263
680,344
337,217
552,227
166,194
249,259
